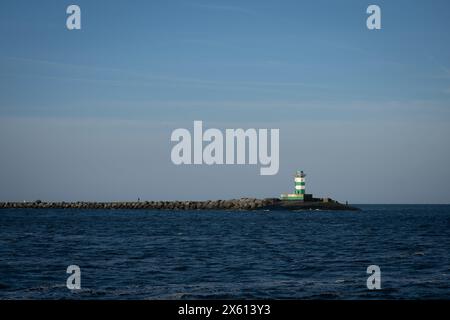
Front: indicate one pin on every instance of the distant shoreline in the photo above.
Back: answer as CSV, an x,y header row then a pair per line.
x,y
243,204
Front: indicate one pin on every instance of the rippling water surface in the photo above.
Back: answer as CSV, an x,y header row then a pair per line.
x,y
127,254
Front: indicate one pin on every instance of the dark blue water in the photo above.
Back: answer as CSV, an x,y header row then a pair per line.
x,y
200,254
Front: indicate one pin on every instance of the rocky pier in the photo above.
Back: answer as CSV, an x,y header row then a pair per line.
x,y
231,205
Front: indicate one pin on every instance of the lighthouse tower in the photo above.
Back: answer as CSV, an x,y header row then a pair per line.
x,y
300,183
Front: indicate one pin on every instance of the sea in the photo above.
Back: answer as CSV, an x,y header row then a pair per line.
x,y
140,254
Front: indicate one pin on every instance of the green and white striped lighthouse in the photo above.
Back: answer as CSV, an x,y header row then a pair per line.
x,y
300,183
300,187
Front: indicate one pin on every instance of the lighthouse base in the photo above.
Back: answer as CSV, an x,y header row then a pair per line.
x,y
292,196
296,197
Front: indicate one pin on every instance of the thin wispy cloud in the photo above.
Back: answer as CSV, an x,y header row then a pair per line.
x,y
443,70
117,76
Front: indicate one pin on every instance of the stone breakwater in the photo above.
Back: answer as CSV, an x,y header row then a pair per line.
x,y
233,204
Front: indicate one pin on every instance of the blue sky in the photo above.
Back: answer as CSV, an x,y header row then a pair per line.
x,y
137,70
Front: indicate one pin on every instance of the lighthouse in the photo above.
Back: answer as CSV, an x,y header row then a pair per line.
x,y
300,183
299,188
